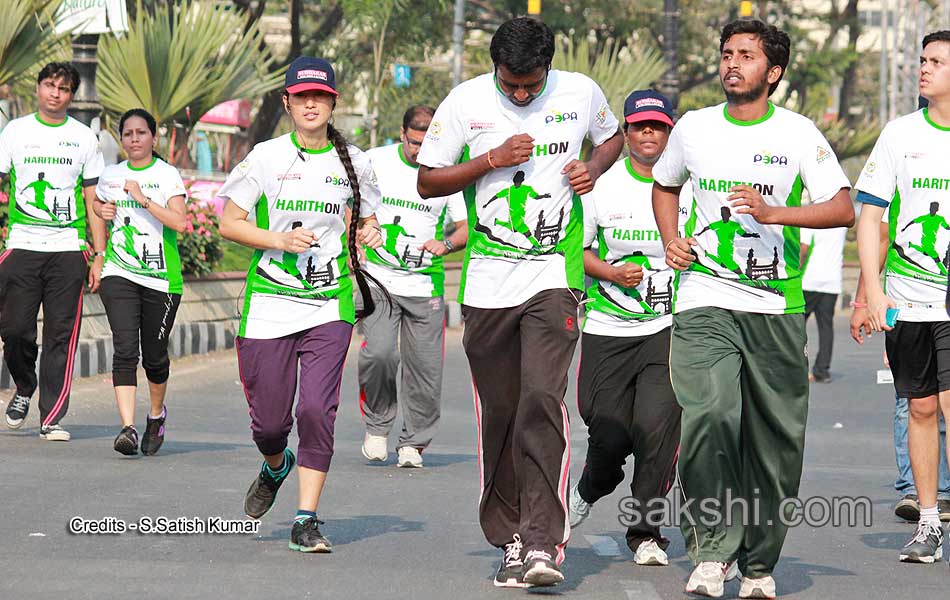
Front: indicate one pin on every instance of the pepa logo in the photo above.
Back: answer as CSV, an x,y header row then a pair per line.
x,y
66,144
769,159
559,117
334,179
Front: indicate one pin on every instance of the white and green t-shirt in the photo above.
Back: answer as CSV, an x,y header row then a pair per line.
x,y
408,221
618,216
825,260
140,248
48,166
742,264
525,222
288,292
908,169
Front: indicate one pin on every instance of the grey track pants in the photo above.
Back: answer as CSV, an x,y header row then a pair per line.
x,y
412,335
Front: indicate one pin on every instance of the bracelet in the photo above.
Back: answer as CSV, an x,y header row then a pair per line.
x,y
858,304
667,249
490,163
448,244
100,253
147,202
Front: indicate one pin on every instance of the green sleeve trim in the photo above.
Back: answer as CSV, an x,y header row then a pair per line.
x,y
768,114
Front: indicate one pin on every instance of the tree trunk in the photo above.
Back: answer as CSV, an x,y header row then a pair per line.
x,y
848,83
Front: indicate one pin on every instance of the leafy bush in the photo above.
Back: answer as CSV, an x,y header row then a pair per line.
x,y
200,244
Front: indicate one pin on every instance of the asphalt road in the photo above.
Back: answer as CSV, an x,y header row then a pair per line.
x,y
397,533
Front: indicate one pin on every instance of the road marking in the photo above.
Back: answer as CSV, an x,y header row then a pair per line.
x,y
639,590
603,545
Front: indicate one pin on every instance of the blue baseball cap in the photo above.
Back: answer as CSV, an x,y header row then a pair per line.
x,y
648,105
309,73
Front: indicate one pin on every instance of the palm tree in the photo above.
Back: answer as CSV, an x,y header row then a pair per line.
x,y
28,39
179,60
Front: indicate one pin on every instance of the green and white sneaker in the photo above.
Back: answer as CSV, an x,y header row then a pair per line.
x,y
306,537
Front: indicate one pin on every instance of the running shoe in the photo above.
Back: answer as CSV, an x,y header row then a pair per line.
x,y
154,433
409,457
926,546
16,411
757,587
649,553
263,491
908,508
54,433
511,570
578,508
374,448
306,537
127,442
709,577
541,570
943,507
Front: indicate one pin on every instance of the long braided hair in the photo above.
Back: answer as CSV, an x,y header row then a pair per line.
x,y
339,142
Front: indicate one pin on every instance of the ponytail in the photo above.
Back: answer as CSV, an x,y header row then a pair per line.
x,y
361,276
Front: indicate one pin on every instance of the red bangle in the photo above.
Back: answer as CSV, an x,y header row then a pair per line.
x,y
490,163
858,304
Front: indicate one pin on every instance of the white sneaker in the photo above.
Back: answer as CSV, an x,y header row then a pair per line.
x,y
650,553
54,433
578,508
374,448
763,587
708,578
409,457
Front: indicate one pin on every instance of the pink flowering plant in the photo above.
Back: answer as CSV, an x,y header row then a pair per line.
x,y
200,246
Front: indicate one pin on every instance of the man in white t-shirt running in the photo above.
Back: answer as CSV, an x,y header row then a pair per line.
x,y
822,262
411,331
737,353
511,139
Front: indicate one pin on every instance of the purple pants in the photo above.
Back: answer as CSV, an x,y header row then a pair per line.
x,y
269,374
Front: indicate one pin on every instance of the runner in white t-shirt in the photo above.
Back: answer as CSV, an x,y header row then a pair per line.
x,y
822,265
737,357
623,385
412,333
53,162
313,197
144,199
511,139
906,175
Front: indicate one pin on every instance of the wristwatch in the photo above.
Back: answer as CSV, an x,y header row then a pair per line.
x,y
147,202
99,253
448,244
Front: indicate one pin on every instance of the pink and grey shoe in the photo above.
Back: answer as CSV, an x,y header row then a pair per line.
x,y
154,433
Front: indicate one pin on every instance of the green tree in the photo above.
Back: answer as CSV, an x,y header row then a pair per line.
x,y
179,61
28,40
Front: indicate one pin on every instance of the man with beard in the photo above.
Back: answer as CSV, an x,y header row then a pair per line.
x,y
738,363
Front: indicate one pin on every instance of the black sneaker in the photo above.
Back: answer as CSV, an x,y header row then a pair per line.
x,y
926,546
540,569
17,409
908,508
306,536
511,570
154,433
943,507
127,442
263,491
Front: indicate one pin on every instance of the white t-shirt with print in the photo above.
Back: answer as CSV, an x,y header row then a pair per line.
x,y
825,260
408,221
907,168
48,166
140,248
742,264
525,222
618,215
288,292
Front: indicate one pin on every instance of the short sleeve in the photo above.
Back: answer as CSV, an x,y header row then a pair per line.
x,y
109,188
670,170
370,195
603,124
93,164
444,140
6,152
590,218
819,167
176,187
245,183
879,176
456,209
